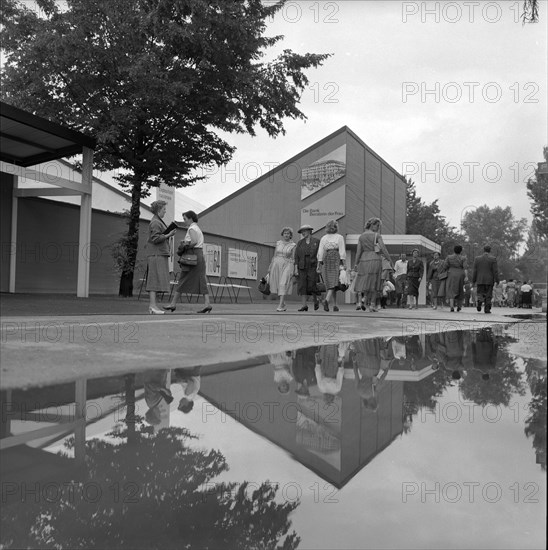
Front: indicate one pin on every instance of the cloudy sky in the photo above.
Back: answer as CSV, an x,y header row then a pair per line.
x,y
452,94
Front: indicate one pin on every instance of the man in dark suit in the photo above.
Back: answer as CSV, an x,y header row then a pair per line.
x,y
485,275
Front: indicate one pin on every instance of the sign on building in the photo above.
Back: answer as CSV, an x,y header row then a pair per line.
x,y
212,255
242,264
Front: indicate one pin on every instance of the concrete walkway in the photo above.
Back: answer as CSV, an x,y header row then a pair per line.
x,y
52,339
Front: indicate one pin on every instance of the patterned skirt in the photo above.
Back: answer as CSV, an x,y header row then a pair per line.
x,y
369,273
330,268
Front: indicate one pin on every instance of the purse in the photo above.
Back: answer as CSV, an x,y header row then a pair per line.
x,y
443,275
188,259
264,287
378,248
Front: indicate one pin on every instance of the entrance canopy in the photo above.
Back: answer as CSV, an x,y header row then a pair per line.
x,y
29,140
399,244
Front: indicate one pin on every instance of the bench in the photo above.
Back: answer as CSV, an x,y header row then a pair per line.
x,y
217,289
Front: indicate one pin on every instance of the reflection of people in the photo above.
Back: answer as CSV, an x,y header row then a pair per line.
x,y
158,253
369,255
331,258
306,263
156,391
451,349
371,365
281,269
329,369
282,363
304,363
193,277
190,380
456,266
415,272
484,351
485,274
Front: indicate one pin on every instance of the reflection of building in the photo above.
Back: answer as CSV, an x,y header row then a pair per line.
x,y
333,437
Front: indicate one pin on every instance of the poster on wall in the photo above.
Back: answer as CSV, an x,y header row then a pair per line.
x,y
242,264
212,255
329,207
324,171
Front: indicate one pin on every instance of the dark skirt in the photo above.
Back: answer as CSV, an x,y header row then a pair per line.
x,y
194,280
158,274
330,270
435,287
454,284
308,277
413,284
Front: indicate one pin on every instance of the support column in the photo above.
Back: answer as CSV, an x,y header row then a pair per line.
x,y
82,290
13,237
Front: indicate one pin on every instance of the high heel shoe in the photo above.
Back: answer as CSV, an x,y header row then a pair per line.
x,y
169,308
325,305
335,308
281,309
304,308
316,305
155,311
205,310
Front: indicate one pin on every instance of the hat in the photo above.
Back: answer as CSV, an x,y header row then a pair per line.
x,y
416,250
304,227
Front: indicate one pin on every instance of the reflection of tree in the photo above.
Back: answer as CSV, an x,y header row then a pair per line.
x,y
157,494
504,381
424,394
535,423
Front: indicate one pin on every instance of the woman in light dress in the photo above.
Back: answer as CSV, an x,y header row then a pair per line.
x,y
331,259
282,267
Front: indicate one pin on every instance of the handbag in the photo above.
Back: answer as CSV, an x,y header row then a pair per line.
x,y
378,248
443,275
188,259
264,287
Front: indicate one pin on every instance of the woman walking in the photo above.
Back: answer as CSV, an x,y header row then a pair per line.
x,y
158,252
282,267
369,264
415,272
306,263
432,279
193,277
456,266
331,259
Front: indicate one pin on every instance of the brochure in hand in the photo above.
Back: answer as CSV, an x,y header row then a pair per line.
x,y
170,228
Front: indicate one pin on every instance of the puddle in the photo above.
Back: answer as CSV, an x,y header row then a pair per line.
x,y
379,443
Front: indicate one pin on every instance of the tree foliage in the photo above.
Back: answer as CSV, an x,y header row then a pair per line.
x,y
537,191
156,493
155,81
426,219
530,11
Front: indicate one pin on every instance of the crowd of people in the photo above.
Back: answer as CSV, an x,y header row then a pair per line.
x,y
318,266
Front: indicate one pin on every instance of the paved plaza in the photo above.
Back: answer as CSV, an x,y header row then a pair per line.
x,y
51,339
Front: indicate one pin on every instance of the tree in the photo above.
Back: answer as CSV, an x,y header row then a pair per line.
x,y
497,227
537,191
154,81
157,493
426,219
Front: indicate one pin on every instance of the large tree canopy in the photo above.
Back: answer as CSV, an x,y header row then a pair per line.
x,y
537,191
153,80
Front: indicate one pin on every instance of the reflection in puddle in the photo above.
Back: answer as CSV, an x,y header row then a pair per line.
x,y
381,427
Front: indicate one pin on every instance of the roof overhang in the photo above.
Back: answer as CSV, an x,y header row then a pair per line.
x,y
27,139
399,244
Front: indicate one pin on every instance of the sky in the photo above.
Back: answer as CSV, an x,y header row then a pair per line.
x,y
451,94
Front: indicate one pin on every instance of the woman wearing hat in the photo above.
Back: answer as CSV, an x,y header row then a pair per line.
x,y
415,272
306,264
369,262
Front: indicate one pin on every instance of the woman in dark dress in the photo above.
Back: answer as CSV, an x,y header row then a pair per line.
x,y
306,263
415,272
432,279
192,279
456,266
